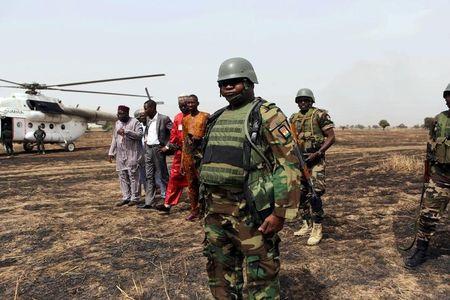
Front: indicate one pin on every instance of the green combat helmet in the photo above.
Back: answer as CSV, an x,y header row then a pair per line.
x,y
447,90
237,67
305,93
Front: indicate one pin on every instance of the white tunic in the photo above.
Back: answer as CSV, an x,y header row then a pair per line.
x,y
127,149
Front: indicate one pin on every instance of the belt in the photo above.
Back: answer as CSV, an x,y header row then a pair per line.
x,y
154,145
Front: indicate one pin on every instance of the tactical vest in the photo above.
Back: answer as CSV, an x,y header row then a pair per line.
x,y
440,144
309,132
225,159
235,155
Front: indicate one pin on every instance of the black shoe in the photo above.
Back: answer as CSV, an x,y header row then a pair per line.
x,y
163,208
145,206
419,256
131,203
123,202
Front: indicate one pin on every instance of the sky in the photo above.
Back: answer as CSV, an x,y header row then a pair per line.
x,y
364,60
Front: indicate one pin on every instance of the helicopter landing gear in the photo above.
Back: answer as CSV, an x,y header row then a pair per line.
x,y
70,147
28,147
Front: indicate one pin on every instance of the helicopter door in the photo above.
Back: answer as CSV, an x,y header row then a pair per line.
x,y
6,123
18,129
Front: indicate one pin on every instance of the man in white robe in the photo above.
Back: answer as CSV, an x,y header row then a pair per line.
x,y
126,148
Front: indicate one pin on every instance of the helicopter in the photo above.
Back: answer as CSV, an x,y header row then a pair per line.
x,y
23,112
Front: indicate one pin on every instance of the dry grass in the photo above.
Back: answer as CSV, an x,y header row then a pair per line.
x,y
61,237
402,164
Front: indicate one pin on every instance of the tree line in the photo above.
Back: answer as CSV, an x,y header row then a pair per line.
x,y
427,124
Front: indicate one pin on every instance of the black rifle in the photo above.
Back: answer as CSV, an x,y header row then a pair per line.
x,y
426,179
316,202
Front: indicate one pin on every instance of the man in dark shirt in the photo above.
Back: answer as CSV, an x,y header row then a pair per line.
x,y
40,135
7,139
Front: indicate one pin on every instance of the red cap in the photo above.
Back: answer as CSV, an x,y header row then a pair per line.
x,y
124,108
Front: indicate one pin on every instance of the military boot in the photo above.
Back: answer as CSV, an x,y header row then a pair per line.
x,y
419,256
305,229
316,234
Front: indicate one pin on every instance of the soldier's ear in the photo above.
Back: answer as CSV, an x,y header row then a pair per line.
x,y
248,84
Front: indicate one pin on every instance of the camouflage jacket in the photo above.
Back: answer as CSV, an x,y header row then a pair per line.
x,y
311,127
286,174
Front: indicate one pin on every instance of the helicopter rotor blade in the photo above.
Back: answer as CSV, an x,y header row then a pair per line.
x,y
95,92
11,86
105,80
20,84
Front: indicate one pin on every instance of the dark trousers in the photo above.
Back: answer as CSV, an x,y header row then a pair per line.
x,y
155,165
8,148
40,146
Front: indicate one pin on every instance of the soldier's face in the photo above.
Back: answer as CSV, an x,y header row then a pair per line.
x,y
447,100
304,103
231,87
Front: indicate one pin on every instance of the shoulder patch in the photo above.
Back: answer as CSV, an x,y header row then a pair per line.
x,y
281,131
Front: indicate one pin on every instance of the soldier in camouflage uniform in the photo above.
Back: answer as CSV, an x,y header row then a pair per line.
x,y
437,193
250,183
315,133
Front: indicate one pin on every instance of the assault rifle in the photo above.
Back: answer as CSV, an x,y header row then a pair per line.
x,y
316,202
429,160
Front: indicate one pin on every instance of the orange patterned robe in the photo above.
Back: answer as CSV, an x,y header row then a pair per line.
x,y
193,131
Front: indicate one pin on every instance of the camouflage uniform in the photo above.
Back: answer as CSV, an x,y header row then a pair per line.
x,y
437,193
233,244
437,189
310,129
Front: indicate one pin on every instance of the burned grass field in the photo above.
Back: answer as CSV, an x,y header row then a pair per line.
x,y
62,237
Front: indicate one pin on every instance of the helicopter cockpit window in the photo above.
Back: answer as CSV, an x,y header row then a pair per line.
x,y
44,106
63,126
51,126
42,125
30,125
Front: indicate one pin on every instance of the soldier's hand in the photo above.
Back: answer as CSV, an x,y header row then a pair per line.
x,y
110,158
314,156
271,224
121,131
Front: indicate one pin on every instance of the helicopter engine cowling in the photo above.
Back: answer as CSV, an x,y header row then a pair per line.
x,y
38,116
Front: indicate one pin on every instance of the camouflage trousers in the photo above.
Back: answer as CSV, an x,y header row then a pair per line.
x,y
433,207
242,262
318,178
